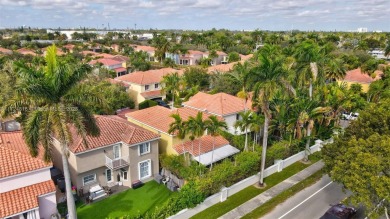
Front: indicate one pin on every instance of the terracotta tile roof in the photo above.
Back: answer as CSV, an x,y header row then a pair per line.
x,y
150,94
25,51
15,156
121,58
59,51
113,81
143,48
206,145
69,46
221,103
195,52
113,129
159,118
5,51
105,62
222,68
147,77
120,69
23,199
358,76
246,57
122,112
105,55
85,52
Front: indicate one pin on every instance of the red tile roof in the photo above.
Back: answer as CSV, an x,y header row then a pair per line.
x,y
105,55
222,68
121,58
120,69
15,156
195,52
158,117
151,94
358,76
25,51
23,199
113,81
89,53
143,48
69,46
105,62
206,145
147,77
5,51
122,112
113,129
221,103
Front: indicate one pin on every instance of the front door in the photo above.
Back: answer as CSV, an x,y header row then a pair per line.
x,y
109,175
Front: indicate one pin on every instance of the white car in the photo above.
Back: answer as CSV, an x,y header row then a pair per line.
x,y
350,116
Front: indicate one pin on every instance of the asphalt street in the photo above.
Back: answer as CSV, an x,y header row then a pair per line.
x,y
312,202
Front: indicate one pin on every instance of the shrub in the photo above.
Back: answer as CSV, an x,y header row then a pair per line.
x,y
146,104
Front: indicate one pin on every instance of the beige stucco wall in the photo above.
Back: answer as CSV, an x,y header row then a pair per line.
x,y
365,86
136,158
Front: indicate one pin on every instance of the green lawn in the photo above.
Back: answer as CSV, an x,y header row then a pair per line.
x,y
248,193
131,202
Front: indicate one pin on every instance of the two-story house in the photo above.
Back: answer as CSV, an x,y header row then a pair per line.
x,y
26,188
146,85
111,64
221,58
150,50
221,104
122,154
192,57
158,119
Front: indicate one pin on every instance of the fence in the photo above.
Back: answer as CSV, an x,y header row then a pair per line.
x,y
226,192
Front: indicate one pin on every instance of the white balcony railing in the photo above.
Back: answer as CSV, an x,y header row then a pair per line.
x,y
115,164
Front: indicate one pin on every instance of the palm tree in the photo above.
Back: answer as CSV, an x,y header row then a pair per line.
x,y
198,127
244,124
171,84
257,120
268,78
48,99
214,126
240,75
178,127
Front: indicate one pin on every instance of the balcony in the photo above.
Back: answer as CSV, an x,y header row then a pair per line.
x,y
118,163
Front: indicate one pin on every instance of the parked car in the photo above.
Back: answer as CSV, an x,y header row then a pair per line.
x,y
162,103
339,211
349,116
55,174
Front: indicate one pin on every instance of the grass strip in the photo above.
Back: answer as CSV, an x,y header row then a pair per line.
x,y
272,203
250,192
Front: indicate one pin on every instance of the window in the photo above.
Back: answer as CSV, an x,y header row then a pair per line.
x,y
144,148
89,179
237,116
155,85
109,175
184,62
145,169
146,87
116,151
124,175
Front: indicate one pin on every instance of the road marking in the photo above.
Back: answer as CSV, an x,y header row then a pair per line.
x,y
292,209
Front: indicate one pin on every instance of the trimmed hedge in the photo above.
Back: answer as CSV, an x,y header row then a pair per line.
x,y
146,104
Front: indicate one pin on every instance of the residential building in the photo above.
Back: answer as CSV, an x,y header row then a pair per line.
x,y
5,51
26,190
25,51
111,64
157,119
356,76
146,85
379,54
221,104
148,49
221,58
192,57
69,47
123,153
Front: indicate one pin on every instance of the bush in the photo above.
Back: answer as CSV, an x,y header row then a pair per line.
x,y
146,104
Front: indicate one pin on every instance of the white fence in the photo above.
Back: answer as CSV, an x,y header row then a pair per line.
x,y
226,192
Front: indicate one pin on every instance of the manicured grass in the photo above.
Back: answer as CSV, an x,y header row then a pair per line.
x,y
248,193
271,204
130,202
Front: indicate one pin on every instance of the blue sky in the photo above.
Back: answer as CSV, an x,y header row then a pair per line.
x,y
328,15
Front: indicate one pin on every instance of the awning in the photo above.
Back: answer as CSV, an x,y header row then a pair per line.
x,y
219,154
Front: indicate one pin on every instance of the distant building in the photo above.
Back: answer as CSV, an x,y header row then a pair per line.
x,y
362,30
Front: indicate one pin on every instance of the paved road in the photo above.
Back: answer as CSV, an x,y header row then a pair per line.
x,y
311,202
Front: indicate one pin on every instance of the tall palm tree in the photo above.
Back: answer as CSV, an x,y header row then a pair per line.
x,y
171,84
257,121
244,124
214,127
198,128
48,99
178,127
268,78
240,75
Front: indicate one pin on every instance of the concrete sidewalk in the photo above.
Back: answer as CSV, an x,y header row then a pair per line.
x,y
257,201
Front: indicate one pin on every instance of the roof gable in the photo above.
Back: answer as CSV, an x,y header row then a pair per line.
x,y
147,77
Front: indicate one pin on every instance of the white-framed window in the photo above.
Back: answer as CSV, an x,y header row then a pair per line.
x,y
109,175
146,87
184,62
156,86
88,179
116,151
125,175
144,148
145,169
